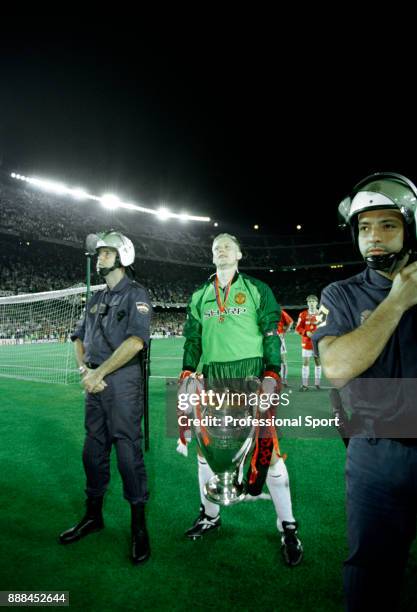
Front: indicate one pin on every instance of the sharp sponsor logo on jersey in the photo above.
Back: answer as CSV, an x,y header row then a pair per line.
x,y
233,310
240,298
365,315
322,315
142,307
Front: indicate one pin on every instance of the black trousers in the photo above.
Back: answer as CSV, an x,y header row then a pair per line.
x,y
381,511
114,417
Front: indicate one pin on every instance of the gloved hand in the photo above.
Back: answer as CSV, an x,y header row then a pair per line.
x,y
271,384
183,382
182,447
188,383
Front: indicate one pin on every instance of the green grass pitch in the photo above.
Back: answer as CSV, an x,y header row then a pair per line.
x,y
237,568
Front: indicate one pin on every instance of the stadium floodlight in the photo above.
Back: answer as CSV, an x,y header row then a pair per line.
x,y
79,194
298,227
163,213
216,224
46,185
110,201
256,227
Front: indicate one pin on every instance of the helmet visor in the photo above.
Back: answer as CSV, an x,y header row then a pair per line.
x,y
378,194
103,239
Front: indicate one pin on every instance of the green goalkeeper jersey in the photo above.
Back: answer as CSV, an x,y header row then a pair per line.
x,y
246,330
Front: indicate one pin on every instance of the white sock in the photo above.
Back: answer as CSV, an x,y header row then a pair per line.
x,y
204,474
284,370
317,375
279,487
305,371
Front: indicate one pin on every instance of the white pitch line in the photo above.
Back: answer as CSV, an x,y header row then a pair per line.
x,y
31,367
155,376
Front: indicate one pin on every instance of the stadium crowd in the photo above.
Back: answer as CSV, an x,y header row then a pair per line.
x,y
41,249
168,323
30,212
35,267
35,215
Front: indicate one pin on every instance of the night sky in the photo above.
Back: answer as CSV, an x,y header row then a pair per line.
x,y
237,133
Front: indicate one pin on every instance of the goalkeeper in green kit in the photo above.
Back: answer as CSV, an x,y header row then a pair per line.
x,y
231,328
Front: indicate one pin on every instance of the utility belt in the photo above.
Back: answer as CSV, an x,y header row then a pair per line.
x,y
358,425
406,441
376,430
93,366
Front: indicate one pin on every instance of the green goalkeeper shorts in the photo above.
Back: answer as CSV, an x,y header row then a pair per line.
x,y
232,373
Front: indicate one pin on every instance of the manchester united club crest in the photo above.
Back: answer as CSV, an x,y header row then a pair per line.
x,y
240,298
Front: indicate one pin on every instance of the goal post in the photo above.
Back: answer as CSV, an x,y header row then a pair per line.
x,y
35,334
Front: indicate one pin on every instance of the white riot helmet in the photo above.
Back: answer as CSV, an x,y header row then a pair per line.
x,y
115,240
383,190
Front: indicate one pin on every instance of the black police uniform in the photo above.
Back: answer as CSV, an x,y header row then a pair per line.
x,y
114,415
381,468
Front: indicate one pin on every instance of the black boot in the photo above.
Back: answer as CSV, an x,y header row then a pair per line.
x,y
140,540
91,521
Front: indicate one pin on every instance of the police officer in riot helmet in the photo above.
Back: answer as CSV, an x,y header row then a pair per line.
x,y
108,341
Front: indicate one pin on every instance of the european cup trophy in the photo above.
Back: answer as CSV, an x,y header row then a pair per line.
x,y
224,430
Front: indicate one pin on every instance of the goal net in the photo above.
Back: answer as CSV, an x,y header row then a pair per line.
x,y
35,334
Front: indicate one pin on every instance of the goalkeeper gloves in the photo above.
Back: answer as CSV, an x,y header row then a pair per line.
x,y
189,383
182,391
271,385
182,447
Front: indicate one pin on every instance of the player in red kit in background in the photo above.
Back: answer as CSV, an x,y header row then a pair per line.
x,y
284,325
306,326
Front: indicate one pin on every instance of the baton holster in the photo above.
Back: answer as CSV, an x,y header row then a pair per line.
x,y
339,412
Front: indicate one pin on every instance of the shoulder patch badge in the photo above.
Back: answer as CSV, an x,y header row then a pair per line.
x,y
240,298
142,307
321,317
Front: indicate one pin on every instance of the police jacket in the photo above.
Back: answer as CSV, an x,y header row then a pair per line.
x,y
111,316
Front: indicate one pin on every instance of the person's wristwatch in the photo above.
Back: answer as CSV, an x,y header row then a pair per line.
x,y
82,370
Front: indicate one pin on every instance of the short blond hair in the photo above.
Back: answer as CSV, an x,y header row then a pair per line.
x,y
233,238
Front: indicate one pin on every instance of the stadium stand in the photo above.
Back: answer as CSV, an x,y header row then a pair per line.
x,y
42,238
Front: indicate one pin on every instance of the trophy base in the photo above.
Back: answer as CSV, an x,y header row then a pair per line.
x,y
224,489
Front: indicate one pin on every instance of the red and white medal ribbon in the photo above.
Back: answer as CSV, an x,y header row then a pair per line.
x,y
221,304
